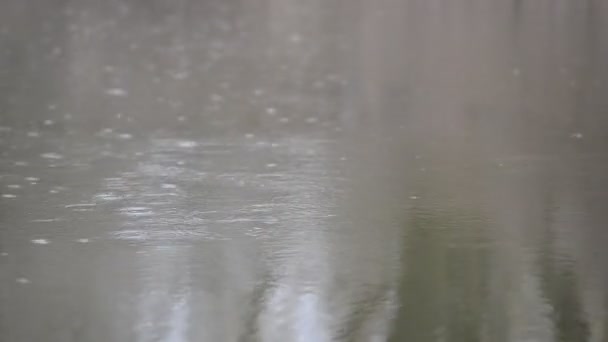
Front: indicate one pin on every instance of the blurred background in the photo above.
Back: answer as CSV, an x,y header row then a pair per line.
x,y
322,170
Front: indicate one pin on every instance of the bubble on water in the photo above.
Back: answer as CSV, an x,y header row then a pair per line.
x,y
23,281
49,122
312,120
51,155
83,240
9,196
187,144
33,134
32,179
249,136
40,241
14,186
271,165
284,120
117,92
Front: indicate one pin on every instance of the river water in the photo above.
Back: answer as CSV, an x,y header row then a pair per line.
x,y
282,170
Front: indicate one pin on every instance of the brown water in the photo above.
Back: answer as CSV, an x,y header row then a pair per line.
x,y
264,170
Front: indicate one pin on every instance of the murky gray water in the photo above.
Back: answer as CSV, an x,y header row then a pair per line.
x,y
265,170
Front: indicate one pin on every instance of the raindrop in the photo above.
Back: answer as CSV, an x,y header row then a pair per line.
x,y
576,135
51,155
80,205
295,38
23,281
116,92
187,144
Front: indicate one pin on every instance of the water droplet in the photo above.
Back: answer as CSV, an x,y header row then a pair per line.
x,y
40,241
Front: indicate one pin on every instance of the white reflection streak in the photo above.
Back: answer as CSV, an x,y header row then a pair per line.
x,y
164,303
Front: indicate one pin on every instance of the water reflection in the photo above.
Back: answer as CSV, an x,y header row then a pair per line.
x,y
287,171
